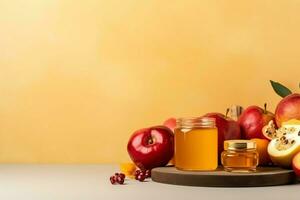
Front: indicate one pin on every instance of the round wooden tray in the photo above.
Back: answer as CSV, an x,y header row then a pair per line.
x,y
264,176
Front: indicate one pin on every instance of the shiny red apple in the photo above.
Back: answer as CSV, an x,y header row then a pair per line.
x,y
288,108
252,121
228,129
170,123
151,147
296,164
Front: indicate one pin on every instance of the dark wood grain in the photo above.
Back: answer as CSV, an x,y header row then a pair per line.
x,y
264,176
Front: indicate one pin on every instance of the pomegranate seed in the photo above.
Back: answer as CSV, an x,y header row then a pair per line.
x,y
141,177
137,172
120,180
112,179
122,175
148,173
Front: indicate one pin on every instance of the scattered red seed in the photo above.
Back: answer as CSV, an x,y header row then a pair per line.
x,y
117,178
112,179
122,175
120,180
148,173
137,172
141,177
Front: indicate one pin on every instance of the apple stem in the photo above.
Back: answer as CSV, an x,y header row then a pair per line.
x,y
265,106
227,111
150,141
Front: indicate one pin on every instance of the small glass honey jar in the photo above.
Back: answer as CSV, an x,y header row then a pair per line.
x,y
239,156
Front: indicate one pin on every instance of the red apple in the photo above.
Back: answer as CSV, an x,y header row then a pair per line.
x,y
228,129
252,120
288,108
151,147
296,164
170,123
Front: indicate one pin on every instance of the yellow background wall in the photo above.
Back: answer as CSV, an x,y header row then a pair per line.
x,y
78,77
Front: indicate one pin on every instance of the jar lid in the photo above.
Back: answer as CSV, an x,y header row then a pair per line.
x,y
239,144
201,122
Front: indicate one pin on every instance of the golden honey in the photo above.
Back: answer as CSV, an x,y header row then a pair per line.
x,y
196,144
239,156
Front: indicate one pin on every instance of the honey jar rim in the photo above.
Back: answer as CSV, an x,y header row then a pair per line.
x,y
239,144
188,122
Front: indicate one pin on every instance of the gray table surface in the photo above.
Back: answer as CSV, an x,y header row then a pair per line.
x,y
91,182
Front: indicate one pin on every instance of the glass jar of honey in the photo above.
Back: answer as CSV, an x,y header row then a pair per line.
x,y
196,144
239,156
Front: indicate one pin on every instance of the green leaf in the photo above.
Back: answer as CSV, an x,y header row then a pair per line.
x,y
280,89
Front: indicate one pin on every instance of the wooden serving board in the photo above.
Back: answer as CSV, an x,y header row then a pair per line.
x,y
264,176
